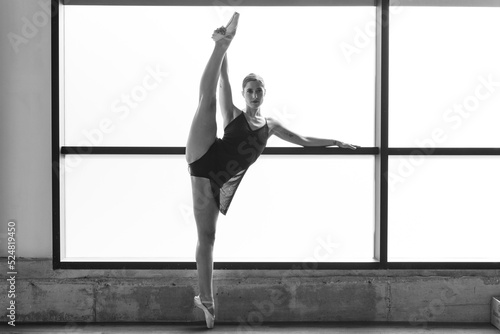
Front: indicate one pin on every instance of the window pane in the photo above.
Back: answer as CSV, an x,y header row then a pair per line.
x,y
295,209
444,77
444,208
127,208
132,73
315,208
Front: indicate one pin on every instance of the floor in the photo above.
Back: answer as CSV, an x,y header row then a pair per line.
x,y
292,328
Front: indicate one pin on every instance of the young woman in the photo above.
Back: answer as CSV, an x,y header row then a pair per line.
x,y
218,165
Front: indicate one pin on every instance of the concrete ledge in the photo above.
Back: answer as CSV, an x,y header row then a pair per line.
x,y
250,297
443,299
124,301
51,301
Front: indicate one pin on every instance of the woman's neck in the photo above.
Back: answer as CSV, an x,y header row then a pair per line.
x,y
252,112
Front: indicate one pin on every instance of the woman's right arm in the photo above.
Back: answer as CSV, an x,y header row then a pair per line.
x,y
225,94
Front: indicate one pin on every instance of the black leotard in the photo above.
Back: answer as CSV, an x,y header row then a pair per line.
x,y
227,160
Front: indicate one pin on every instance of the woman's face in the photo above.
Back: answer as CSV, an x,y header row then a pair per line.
x,y
254,93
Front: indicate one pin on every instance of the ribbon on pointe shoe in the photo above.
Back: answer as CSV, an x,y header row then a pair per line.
x,y
228,31
209,317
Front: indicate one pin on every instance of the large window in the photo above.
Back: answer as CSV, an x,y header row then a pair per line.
x,y
126,82
444,100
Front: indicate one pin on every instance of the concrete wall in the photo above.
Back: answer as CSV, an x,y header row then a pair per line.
x,y
245,297
251,297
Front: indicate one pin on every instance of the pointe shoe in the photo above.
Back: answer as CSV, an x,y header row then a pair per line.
x,y
228,31
209,317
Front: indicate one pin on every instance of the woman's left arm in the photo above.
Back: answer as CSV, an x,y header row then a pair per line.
x,y
282,132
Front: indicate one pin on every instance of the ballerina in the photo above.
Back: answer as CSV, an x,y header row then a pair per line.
x,y
217,165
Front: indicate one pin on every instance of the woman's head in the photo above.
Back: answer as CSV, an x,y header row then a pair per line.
x,y
253,90
252,77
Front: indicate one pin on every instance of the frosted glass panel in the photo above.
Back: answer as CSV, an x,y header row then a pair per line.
x,y
306,209
139,208
444,77
444,209
126,208
132,73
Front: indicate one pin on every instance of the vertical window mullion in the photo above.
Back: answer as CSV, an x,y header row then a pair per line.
x,y
382,117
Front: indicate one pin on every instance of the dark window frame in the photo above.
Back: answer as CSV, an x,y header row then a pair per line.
x,y
381,152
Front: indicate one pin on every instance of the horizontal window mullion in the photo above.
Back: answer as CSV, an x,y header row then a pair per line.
x,y
84,150
413,3
79,150
285,265
320,150
443,265
444,151
447,3
221,3
225,265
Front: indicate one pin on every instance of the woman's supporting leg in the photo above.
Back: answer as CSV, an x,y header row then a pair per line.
x,y
206,213
204,127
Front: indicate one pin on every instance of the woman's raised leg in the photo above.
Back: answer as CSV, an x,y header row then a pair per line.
x,y
204,127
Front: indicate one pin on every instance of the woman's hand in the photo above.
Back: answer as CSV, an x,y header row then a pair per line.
x,y
345,145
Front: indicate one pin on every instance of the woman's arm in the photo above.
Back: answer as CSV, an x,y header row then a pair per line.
x,y
282,132
225,94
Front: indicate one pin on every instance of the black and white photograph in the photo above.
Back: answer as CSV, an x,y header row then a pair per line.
x,y
250,166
